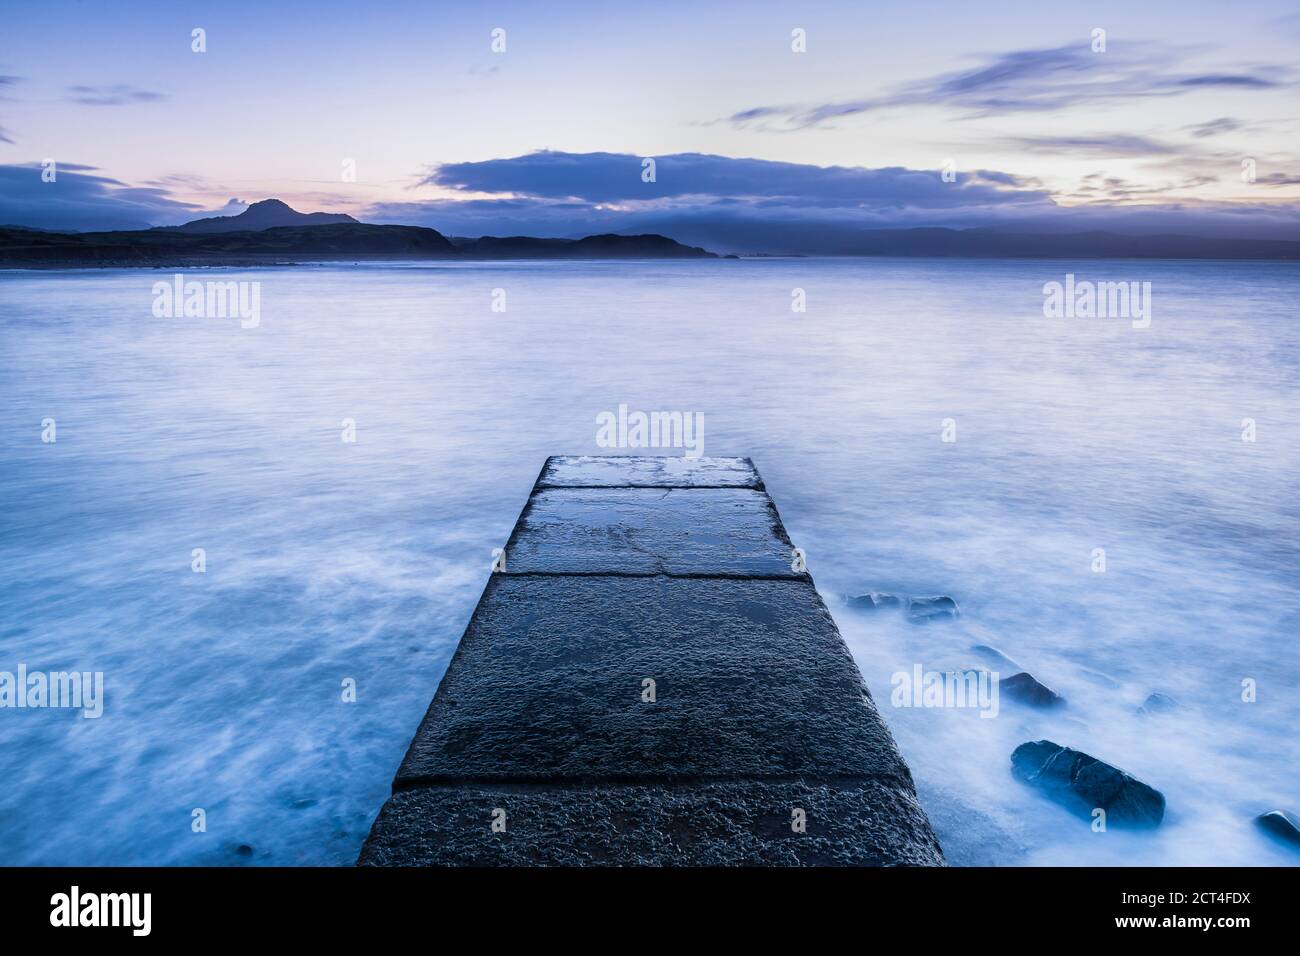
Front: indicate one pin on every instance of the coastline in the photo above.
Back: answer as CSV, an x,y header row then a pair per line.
x,y
256,262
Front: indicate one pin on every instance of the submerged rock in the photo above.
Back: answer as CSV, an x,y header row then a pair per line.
x,y
874,601
1158,703
1027,689
926,609
995,656
1280,824
1083,783
919,610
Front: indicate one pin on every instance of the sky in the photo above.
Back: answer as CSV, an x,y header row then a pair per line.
x,y
404,112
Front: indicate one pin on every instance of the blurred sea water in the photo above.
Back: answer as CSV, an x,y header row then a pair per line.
x,y
328,560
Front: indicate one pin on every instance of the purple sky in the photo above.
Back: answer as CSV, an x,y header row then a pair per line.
x,y
1187,121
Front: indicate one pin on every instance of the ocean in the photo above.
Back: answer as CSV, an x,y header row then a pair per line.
x,y
924,428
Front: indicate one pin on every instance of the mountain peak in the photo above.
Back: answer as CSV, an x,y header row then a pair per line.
x,y
265,214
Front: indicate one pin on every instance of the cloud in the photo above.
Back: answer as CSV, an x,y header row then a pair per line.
x,y
1099,145
79,199
725,204
1229,80
616,178
233,207
751,205
120,94
1037,80
7,80
1101,187
699,196
1224,124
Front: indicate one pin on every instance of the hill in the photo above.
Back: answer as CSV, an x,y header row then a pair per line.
x,y
267,214
281,244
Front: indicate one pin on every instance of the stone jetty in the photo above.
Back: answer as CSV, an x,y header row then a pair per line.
x,y
651,678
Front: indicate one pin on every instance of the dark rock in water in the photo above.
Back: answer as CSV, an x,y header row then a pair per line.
x,y
927,609
1158,703
1083,783
995,656
920,610
1027,689
1280,824
244,849
874,601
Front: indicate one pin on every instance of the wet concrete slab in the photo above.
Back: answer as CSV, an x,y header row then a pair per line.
x,y
750,678
568,471
650,682
681,531
730,823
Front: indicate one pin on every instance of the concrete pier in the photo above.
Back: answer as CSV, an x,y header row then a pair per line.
x,y
650,681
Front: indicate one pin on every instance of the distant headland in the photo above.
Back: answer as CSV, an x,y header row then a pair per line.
x,y
271,231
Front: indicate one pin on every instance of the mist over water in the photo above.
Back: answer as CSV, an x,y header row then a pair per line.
x,y
328,560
